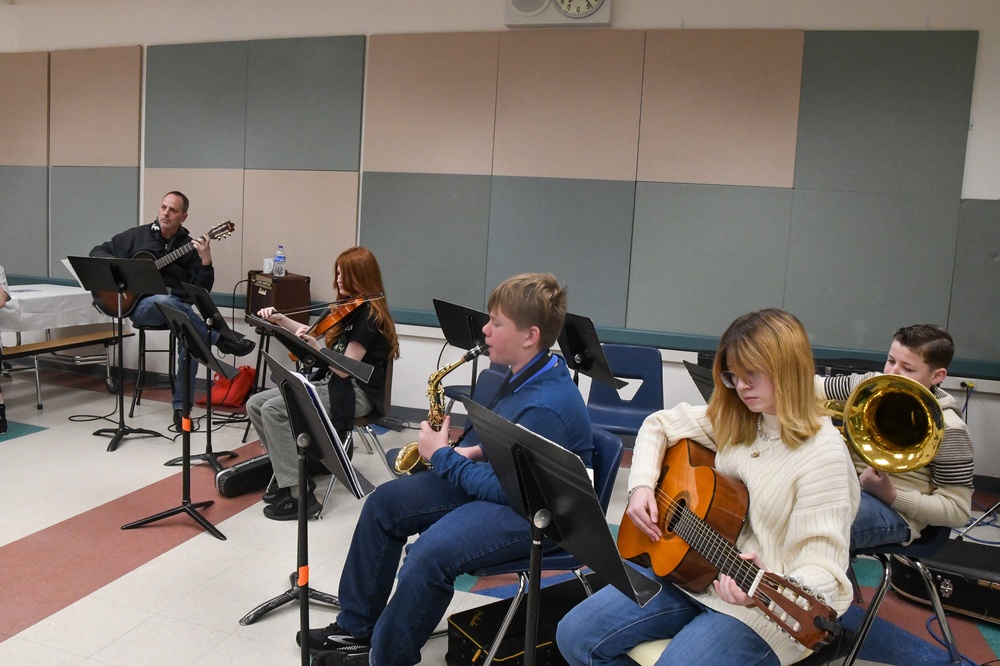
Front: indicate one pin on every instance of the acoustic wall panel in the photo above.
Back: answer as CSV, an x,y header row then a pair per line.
x,y
312,213
568,104
885,112
431,103
720,107
88,206
303,102
974,320
216,195
704,254
429,233
861,265
24,107
24,236
580,230
96,102
196,98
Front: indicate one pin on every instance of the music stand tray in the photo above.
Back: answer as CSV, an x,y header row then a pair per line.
x,y
582,350
139,276
310,357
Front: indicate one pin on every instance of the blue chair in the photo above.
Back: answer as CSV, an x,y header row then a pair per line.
x,y
930,541
629,362
608,451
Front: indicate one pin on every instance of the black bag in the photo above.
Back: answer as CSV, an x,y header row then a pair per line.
x,y
253,474
966,575
471,632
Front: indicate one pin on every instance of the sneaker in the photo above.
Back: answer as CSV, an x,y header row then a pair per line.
x,y
242,347
334,638
3,419
280,494
288,508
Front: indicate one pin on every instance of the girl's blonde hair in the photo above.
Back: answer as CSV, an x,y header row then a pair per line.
x,y
772,342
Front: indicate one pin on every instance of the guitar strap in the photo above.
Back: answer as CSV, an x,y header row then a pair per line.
x,y
510,385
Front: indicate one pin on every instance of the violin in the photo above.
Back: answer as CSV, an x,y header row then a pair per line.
x,y
336,313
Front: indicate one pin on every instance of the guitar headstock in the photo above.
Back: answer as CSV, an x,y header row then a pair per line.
x,y
223,230
798,613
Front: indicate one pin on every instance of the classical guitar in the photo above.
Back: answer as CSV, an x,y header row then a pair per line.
x,y
107,301
701,513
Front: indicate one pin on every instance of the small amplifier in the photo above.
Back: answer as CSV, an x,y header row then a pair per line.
x,y
288,292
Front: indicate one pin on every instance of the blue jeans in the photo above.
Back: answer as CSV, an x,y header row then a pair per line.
x,y
457,535
877,524
604,627
147,314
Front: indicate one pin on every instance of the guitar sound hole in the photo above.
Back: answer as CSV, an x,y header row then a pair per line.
x,y
670,520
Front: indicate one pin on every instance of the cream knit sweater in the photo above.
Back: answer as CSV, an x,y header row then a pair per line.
x,y
802,504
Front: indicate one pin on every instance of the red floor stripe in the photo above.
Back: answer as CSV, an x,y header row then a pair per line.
x,y
57,566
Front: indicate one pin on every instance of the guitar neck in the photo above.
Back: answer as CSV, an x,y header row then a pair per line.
x,y
173,256
717,550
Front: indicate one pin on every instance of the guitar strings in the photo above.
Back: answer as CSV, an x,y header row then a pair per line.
x,y
708,537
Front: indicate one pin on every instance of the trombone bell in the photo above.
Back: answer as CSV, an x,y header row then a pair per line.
x,y
893,423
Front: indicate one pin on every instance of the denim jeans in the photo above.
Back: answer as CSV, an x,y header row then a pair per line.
x,y
147,314
877,524
457,535
604,627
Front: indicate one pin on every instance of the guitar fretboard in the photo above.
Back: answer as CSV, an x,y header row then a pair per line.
x,y
173,256
715,548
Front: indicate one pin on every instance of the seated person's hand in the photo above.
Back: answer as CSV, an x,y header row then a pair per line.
x,y
431,440
643,511
265,313
729,591
473,453
878,484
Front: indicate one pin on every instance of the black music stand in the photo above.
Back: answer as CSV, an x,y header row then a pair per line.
x,y
137,276
316,438
308,356
188,336
462,328
214,321
582,350
702,378
550,487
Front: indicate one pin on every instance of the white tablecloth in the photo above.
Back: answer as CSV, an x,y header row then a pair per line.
x,y
35,307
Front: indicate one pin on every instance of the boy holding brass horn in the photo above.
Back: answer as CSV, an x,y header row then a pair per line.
x,y
895,507
457,507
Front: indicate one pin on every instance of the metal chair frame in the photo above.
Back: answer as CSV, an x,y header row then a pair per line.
x,y
140,381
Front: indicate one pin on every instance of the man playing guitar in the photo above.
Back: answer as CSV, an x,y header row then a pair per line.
x,y
164,236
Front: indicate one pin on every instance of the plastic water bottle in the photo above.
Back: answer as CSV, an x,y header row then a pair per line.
x,y
279,262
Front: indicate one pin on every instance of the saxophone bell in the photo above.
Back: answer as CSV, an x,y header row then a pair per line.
x,y
408,459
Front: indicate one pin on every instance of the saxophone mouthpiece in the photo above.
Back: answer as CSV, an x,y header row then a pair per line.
x,y
481,349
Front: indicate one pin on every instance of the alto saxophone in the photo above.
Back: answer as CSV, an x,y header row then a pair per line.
x,y
409,460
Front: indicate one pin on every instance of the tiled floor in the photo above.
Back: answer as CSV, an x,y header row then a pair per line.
x,y
76,589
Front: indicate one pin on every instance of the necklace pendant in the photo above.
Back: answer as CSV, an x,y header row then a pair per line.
x,y
755,454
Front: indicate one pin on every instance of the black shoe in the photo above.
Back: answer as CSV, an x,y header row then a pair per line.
x,y
288,508
3,419
236,348
280,494
333,638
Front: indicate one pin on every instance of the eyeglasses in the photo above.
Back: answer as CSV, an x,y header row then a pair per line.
x,y
729,378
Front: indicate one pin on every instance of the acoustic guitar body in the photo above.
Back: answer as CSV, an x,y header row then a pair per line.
x,y
687,481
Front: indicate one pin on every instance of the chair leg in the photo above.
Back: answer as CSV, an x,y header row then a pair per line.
x,y
522,582
873,607
583,581
326,497
364,440
366,432
140,374
935,599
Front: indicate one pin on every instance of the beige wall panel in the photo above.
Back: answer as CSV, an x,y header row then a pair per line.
x,y
720,107
430,103
568,104
312,213
96,104
216,196
24,109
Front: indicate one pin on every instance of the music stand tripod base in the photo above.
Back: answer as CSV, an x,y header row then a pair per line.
x,y
292,594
